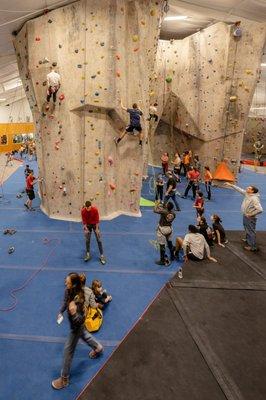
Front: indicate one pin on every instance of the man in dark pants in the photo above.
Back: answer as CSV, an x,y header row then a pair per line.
x,y
135,124
90,219
164,232
250,208
171,190
193,182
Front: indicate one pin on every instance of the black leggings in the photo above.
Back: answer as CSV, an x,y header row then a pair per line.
x,y
159,192
50,94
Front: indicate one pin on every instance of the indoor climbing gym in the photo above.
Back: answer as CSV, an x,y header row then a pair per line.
x,y
132,199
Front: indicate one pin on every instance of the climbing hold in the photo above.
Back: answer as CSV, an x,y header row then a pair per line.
x,y
37,39
97,94
64,191
135,38
233,98
110,160
49,21
76,51
79,66
61,97
112,186
168,79
118,57
102,44
153,13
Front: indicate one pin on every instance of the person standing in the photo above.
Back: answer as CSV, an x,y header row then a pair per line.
x,y
250,208
159,188
90,219
74,300
208,181
53,83
164,232
165,162
193,182
171,191
30,182
177,163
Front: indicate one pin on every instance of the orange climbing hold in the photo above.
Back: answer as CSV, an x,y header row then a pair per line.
x,y
223,173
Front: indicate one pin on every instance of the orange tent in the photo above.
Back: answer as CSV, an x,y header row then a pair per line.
x,y
223,173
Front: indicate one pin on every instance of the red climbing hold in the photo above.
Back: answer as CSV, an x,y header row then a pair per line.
x,y
37,38
61,97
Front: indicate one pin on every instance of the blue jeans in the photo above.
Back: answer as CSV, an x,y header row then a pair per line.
x,y
173,198
250,229
71,344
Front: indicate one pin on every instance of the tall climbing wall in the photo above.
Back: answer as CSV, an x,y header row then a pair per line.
x,y
204,86
255,129
104,52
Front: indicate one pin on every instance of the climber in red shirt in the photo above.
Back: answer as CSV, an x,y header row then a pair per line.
x,y
90,219
30,181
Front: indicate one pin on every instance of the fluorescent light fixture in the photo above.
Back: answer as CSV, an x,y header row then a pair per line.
x,y
263,64
176,18
12,84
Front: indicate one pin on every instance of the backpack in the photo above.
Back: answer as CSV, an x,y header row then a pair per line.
x,y
94,319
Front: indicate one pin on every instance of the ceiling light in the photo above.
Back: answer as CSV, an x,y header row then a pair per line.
x,y
263,64
176,18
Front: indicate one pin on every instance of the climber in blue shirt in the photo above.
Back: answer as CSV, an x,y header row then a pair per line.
x,y
134,125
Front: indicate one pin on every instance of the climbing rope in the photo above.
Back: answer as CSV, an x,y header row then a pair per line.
x,y
26,283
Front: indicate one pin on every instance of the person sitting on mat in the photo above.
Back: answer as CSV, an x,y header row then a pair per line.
x,y
74,300
205,230
194,246
100,294
135,114
218,230
90,300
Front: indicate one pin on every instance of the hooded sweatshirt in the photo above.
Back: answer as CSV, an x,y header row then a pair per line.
x,y
250,206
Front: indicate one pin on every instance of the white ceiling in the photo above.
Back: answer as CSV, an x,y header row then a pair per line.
x,y
200,13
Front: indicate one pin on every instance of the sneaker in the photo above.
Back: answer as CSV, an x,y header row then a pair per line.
x,y
102,260
60,383
26,205
87,257
180,274
167,262
96,353
244,240
248,248
159,262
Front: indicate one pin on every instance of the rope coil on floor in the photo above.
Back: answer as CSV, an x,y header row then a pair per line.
x,y
13,291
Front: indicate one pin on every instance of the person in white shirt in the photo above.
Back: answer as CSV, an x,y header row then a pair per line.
x,y
53,83
153,113
250,208
194,246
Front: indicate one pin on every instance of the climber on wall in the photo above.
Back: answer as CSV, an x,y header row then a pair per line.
x,y
53,83
90,219
258,146
134,124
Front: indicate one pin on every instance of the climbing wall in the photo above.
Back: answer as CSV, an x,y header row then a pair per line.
x,y
104,51
255,129
204,86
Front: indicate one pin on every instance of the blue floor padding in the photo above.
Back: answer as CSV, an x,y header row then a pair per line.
x,y
31,343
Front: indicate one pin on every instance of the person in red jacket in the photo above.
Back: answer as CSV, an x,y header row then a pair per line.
x,y
30,182
90,219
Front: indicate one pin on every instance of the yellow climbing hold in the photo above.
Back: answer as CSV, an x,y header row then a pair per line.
x,y
135,38
233,98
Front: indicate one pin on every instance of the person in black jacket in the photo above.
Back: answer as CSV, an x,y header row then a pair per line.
x,y
74,304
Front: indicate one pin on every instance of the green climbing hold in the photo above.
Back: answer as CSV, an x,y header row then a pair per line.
x,y
168,79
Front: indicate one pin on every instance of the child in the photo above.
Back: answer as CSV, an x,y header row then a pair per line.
x,y
205,230
159,188
218,230
153,112
165,161
90,300
199,204
101,296
134,124
27,171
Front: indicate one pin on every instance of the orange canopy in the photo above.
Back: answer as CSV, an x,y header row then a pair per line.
x,y
223,173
